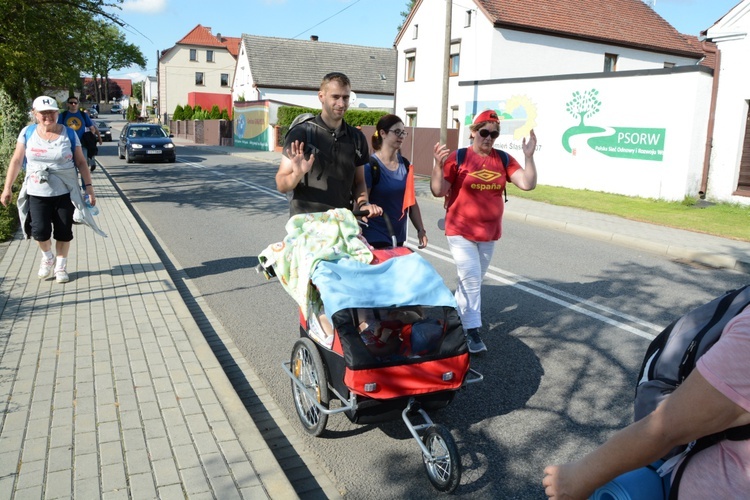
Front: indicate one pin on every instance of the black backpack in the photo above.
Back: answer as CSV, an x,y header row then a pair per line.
x,y
307,120
672,356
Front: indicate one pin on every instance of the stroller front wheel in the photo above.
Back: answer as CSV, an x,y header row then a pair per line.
x,y
444,463
307,366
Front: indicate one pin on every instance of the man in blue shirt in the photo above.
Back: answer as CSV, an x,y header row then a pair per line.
x,y
79,121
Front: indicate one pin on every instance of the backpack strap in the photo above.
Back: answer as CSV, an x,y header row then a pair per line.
x,y
740,433
374,171
71,136
29,130
375,168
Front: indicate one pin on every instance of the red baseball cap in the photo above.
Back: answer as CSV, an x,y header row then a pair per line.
x,y
487,115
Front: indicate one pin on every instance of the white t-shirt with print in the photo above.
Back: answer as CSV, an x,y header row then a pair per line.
x,y
47,155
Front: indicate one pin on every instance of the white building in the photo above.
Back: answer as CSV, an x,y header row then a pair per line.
x,y
729,174
290,71
505,39
197,70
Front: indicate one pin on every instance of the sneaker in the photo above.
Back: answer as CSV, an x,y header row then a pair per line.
x,y
93,167
45,270
474,341
61,275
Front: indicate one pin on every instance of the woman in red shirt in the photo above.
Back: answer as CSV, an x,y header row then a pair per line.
x,y
474,209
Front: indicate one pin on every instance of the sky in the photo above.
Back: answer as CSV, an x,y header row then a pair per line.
x,y
155,25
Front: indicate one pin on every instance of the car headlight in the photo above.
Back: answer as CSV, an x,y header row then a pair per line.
x,y
169,146
136,146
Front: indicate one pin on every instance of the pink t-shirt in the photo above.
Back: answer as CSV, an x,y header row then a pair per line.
x,y
723,470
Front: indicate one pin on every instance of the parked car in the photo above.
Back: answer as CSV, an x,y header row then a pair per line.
x,y
93,113
104,131
145,141
116,109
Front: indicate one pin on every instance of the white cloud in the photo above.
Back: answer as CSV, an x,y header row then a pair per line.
x,y
145,6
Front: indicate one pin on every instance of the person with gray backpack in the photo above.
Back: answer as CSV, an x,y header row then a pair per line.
x,y
692,414
323,160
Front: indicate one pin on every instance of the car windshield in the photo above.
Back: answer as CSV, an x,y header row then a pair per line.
x,y
146,132
102,125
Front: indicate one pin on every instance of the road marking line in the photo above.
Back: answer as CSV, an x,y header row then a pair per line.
x,y
516,281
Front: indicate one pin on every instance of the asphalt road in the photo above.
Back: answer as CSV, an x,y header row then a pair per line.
x,y
567,322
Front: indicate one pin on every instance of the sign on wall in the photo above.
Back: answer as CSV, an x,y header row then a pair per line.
x,y
633,143
251,129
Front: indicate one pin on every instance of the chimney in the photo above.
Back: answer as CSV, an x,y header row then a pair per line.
x,y
218,36
314,38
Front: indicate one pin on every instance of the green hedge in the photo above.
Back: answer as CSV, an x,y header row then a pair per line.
x,y
354,117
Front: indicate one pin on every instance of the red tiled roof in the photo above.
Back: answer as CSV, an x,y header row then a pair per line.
x,y
202,36
125,85
709,50
629,23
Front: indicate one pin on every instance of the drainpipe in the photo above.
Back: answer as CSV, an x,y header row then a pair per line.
x,y
711,120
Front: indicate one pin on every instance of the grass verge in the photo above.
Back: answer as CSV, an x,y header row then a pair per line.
x,y
727,220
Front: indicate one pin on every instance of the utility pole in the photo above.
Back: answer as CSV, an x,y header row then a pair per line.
x,y
446,72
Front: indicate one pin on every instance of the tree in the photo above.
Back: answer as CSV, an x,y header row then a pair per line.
x,y
92,90
405,13
41,42
108,51
179,113
583,104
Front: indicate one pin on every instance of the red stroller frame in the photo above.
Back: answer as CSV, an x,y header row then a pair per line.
x,y
376,385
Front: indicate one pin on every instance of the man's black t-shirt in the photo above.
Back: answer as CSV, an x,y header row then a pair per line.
x,y
337,155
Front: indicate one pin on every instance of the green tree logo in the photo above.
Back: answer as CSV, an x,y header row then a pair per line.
x,y
584,104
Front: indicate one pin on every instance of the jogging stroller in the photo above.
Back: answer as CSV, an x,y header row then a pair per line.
x,y
383,337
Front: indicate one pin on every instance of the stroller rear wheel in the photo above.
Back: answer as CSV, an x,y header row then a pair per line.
x,y
309,369
444,463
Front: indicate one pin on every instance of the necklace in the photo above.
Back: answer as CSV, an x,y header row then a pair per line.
x,y
48,134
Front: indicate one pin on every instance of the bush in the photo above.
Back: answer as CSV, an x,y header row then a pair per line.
x,y
179,113
224,114
215,113
187,112
13,118
354,117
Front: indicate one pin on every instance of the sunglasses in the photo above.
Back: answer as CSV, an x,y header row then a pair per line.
x,y
72,102
399,133
484,133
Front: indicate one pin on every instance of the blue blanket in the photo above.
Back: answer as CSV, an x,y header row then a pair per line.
x,y
402,281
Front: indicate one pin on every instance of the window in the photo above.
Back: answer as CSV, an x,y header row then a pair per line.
x,y
225,79
193,55
209,56
455,58
411,117
455,122
411,62
610,63
415,32
467,19
669,65
199,78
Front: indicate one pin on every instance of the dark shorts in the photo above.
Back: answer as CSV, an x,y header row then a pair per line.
x,y
51,212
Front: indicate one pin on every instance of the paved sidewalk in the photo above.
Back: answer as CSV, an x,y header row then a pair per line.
x,y
108,387
674,243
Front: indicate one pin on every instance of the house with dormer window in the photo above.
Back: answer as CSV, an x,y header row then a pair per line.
x,y
198,69
620,101
505,39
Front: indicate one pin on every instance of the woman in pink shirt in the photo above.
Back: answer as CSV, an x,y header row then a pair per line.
x,y
714,397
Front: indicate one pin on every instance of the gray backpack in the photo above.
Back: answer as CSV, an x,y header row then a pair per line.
x,y
671,357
